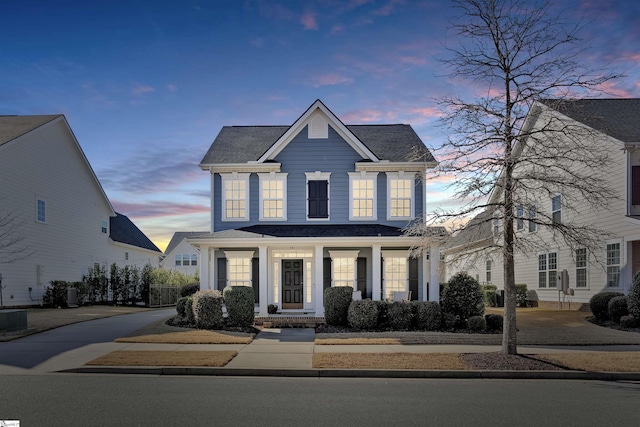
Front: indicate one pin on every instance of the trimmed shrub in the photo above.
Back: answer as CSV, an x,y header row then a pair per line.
x,y
634,297
363,314
449,321
188,310
477,323
494,322
462,297
207,309
399,316
383,314
629,322
189,289
240,302
490,295
617,308
56,294
337,300
181,307
521,295
599,304
427,315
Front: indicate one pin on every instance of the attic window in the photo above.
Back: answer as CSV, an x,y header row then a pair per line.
x,y
318,128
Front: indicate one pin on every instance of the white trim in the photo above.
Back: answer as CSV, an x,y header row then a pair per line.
x,y
238,254
228,177
318,176
365,176
387,166
241,167
268,177
401,176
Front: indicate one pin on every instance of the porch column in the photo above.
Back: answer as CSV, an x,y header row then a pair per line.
x,y
434,277
376,277
204,268
264,280
318,281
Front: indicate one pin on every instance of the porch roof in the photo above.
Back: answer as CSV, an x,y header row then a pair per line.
x,y
324,230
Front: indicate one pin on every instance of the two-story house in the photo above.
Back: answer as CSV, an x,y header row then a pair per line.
x,y
599,124
55,218
296,209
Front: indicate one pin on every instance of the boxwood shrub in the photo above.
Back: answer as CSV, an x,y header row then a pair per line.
x,y
634,297
363,314
240,303
427,315
189,289
207,309
383,314
629,322
477,323
599,304
494,322
521,295
462,297
181,307
337,300
400,316
617,308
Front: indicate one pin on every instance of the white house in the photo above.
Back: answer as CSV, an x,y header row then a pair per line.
x,y
301,207
612,125
55,218
181,255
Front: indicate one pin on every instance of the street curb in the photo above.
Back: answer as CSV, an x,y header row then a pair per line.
x,y
361,373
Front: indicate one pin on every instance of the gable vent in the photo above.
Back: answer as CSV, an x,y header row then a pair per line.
x,y
318,128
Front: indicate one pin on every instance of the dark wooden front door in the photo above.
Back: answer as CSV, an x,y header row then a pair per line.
x,y
292,283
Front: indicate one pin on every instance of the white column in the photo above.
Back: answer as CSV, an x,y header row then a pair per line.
x,y
318,281
211,216
376,278
205,261
434,276
264,280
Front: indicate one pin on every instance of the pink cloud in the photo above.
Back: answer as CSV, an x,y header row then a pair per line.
x,y
308,21
362,116
412,60
148,210
426,111
140,90
330,79
612,88
388,8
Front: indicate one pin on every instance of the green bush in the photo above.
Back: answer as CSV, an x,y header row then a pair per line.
x,y
494,322
449,321
56,294
599,304
363,314
400,316
629,322
337,300
181,307
617,308
189,289
427,315
462,297
477,323
240,302
83,291
521,295
490,295
383,314
634,297
207,309
188,311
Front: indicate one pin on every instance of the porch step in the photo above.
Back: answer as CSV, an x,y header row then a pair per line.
x,y
288,321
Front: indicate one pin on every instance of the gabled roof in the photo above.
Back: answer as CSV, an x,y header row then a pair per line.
x,y
12,127
477,231
242,144
179,236
619,118
122,230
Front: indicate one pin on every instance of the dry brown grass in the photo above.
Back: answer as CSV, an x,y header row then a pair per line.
x,y
623,361
444,361
165,358
191,336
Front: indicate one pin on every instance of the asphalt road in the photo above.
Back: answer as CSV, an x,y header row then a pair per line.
x,y
34,349
128,400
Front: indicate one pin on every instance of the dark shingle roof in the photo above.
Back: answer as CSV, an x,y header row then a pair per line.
x,y
619,118
240,144
477,229
338,230
124,231
12,127
179,236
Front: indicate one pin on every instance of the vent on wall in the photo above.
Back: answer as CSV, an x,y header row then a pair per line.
x,y
318,128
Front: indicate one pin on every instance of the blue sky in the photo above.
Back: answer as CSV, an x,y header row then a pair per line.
x,y
147,84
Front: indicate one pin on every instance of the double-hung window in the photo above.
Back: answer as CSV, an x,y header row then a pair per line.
x,y
273,196
581,267
556,209
104,226
363,195
41,210
239,268
613,265
400,200
395,272
548,270
520,217
318,192
532,218
343,268
235,196
488,271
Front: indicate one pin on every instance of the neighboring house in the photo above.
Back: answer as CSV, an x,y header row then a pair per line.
x,y
616,123
56,211
296,209
180,255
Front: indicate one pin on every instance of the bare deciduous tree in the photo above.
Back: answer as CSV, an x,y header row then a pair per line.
x,y
504,148
13,243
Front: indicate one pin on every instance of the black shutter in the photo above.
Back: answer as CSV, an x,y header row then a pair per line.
x,y
635,185
413,278
255,278
318,199
222,274
326,273
361,276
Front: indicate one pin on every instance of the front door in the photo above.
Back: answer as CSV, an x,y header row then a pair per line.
x,y
292,283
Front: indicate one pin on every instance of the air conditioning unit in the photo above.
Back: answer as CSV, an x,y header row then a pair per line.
x,y
72,297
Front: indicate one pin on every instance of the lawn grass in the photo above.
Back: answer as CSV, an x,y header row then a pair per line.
x,y
165,358
189,336
619,361
427,361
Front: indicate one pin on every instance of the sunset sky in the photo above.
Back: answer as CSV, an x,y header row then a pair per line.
x,y
147,84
